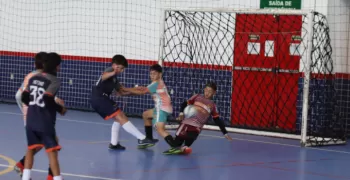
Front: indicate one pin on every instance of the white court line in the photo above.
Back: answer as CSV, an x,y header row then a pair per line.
x,y
207,135
291,145
67,174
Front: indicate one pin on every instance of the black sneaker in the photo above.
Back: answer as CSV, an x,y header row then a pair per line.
x,y
145,143
155,140
116,147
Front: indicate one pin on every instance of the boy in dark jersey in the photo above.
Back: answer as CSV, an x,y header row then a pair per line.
x,y
39,96
108,109
40,58
197,109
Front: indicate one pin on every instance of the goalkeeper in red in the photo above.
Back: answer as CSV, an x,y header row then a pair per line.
x,y
194,114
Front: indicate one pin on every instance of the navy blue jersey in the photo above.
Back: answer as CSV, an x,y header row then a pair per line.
x,y
42,117
107,86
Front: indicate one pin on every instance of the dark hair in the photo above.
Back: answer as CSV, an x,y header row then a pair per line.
x,y
156,67
211,85
39,59
52,62
120,60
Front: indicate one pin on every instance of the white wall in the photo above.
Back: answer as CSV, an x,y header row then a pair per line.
x,y
132,27
339,21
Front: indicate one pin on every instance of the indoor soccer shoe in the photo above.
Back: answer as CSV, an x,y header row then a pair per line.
x,y
155,140
173,151
49,177
148,145
145,143
19,168
116,147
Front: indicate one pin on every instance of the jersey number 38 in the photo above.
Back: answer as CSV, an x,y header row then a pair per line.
x,y
37,94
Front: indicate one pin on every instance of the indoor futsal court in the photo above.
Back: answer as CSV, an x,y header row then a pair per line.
x,y
85,155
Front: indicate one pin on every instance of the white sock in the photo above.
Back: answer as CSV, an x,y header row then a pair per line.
x,y
115,133
57,178
26,174
131,129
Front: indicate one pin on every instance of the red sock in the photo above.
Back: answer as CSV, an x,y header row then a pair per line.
x,y
20,165
49,177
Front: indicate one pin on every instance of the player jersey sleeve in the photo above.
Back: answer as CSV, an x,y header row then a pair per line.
x,y
192,99
153,87
117,85
53,87
109,69
215,113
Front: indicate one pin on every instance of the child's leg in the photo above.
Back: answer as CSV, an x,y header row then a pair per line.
x,y
128,126
191,137
160,126
147,118
54,164
131,129
34,142
19,167
28,164
52,147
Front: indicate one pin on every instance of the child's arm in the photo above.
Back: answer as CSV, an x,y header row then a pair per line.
x,y
133,91
184,105
220,123
107,73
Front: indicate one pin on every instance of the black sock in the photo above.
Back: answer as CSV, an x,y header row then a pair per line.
x,y
50,172
189,142
149,132
170,140
178,141
22,160
191,137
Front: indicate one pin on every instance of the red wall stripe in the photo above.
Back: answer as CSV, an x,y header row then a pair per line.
x,y
150,62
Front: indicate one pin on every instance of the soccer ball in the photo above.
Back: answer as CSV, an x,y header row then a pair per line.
x,y
190,111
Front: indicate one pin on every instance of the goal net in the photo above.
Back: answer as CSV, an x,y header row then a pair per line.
x,y
273,69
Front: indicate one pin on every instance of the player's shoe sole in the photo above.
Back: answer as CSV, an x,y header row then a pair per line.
x,y
173,151
144,146
148,145
116,147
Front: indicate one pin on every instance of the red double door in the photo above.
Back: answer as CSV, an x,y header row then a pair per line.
x,y
266,71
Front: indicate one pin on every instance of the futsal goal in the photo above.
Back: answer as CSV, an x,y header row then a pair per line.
x,y
273,69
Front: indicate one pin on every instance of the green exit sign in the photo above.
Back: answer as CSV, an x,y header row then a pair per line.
x,y
286,4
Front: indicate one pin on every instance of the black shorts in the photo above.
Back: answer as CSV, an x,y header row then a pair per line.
x,y
104,106
37,139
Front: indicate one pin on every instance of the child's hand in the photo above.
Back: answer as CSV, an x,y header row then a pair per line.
x,y
59,101
181,117
64,110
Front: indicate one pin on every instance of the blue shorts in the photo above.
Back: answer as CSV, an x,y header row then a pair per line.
x,y
159,116
36,139
104,106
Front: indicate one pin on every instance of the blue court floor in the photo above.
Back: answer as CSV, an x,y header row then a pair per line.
x,y
84,137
